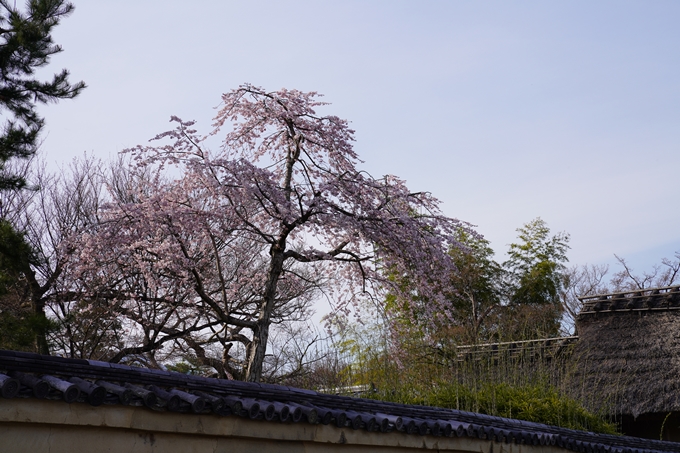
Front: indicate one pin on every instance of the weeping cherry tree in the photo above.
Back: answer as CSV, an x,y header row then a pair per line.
x,y
236,239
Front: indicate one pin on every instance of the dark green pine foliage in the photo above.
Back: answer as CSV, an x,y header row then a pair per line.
x,y
25,46
23,324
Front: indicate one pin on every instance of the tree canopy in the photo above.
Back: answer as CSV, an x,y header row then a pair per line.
x,y
535,270
536,264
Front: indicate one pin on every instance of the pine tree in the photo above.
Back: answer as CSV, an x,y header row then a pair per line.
x,y
25,46
23,324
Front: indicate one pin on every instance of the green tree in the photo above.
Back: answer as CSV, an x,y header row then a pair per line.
x,y
475,300
536,267
23,324
26,45
477,289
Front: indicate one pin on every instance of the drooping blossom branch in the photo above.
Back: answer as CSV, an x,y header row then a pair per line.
x,y
248,234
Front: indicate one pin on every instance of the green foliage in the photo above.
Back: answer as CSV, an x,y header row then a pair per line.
x,y
26,46
487,301
188,367
535,270
474,296
522,383
536,264
22,325
16,256
18,331
539,403
478,289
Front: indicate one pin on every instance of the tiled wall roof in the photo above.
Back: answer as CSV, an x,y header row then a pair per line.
x,y
95,383
652,299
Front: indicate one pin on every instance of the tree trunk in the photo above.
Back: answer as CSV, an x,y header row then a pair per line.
x,y
41,330
258,347
38,305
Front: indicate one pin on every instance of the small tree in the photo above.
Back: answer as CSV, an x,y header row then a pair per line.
x,y
284,192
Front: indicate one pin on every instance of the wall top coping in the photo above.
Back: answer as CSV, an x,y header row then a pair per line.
x,y
78,381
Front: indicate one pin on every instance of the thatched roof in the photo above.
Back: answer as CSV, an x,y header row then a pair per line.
x,y
627,359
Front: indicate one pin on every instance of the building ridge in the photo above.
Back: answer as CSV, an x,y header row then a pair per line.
x,y
663,298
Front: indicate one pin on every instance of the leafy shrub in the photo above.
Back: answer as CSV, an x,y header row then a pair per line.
x,y
539,403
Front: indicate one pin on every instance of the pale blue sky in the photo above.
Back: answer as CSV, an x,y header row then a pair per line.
x,y
505,110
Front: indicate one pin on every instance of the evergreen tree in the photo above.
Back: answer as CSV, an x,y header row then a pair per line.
x,y
23,324
25,46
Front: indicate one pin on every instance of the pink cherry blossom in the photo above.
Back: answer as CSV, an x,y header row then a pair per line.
x,y
247,235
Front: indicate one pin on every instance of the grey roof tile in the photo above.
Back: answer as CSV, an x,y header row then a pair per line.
x,y
98,363
119,366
